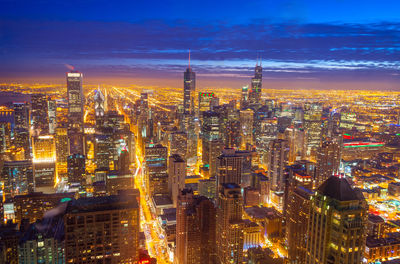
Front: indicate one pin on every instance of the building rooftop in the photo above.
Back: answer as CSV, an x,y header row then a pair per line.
x,y
101,203
339,189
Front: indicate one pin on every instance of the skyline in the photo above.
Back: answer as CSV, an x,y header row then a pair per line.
x,y
302,46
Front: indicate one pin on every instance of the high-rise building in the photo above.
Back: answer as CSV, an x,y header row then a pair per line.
x,y
328,160
176,176
39,114
111,223
21,128
189,89
297,214
246,122
256,86
99,107
17,177
61,144
177,142
43,241
44,163
312,126
156,169
205,100
244,100
211,143
277,161
6,128
337,224
229,230
229,167
75,112
76,169
52,115
195,229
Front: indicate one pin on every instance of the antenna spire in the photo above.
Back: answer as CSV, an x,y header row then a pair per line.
x,y
189,58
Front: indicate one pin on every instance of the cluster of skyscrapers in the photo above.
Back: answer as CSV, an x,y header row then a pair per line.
x,y
96,177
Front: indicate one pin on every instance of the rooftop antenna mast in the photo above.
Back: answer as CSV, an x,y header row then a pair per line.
x,y
189,58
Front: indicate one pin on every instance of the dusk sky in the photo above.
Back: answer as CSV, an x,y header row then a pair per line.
x,y
303,44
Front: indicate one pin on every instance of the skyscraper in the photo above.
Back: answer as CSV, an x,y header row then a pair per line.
x,y
156,169
229,167
75,112
39,114
328,160
176,176
52,113
111,223
312,126
211,142
256,87
44,163
337,224
277,161
189,88
21,128
195,229
297,215
76,170
244,100
229,230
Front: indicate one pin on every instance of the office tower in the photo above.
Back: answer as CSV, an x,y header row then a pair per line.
x,y
44,163
39,114
259,116
328,160
312,126
61,138
52,115
123,161
76,170
6,128
189,88
156,169
176,176
337,224
229,230
43,241
32,206
297,214
111,223
75,112
211,141
99,107
277,161
244,99
347,119
205,100
177,142
21,127
256,85
17,178
246,122
103,150
195,229
208,188
229,167
296,142
268,132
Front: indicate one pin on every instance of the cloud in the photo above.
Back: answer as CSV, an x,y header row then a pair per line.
x,y
159,49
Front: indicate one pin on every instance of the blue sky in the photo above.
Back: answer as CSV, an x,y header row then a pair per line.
x,y
302,43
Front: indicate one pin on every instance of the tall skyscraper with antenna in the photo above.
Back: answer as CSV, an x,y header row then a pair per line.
x,y
189,88
256,86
